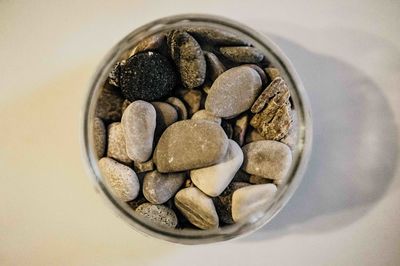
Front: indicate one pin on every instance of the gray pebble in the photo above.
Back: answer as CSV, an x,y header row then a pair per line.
x,y
204,115
166,115
109,104
214,66
159,188
214,36
192,99
99,136
197,207
158,214
180,107
151,43
242,54
117,144
260,72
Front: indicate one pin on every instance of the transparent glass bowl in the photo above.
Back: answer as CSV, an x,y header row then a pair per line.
x,y
301,152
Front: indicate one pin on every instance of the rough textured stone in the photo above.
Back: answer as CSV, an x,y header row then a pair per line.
x,y
117,144
214,66
267,158
212,180
147,76
239,131
158,188
204,115
187,145
197,208
180,107
121,179
192,99
166,115
242,54
233,92
109,103
139,123
188,57
152,43
277,87
158,214
214,36
251,201
291,138
99,137
143,167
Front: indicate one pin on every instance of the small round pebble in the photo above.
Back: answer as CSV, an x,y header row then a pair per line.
x,y
147,76
99,135
180,107
158,214
159,188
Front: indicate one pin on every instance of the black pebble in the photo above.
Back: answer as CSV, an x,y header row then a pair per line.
x,y
147,76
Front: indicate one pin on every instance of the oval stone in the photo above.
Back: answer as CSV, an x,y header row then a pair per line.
x,y
267,158
190,144
158,188
117,144
158,214
233,92
204,115
139,123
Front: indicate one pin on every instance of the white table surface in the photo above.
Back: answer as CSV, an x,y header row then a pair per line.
x,y
346,212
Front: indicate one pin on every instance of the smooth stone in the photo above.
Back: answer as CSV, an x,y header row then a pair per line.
x,y
209,35
189,58
214,66
151,43
186,145
253,135
139,123
117,144
233,92
204,115
158,214
143,167
260,72
251,201
223,203
227,127
239,131
180,107
267,158
192,99
99,137
122,180
242,54
212,180
197,207
166,115
158,188
272,72
255,179
109,103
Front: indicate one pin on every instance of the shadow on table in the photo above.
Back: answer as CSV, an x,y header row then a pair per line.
x,y
355,147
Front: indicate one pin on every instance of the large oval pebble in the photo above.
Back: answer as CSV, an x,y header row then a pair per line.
x,y
187,145
139,123
197,208
158,187
158,214
121,179
267,158
212,180
233,92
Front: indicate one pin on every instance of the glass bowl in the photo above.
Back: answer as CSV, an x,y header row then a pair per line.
x,y
301,151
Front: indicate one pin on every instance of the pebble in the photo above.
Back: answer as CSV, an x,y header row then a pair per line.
x,y
166,115
260,72
212,180
139,123
122,180
214,66
180,107
158,188
251,201
255,179
143,167
242,54
147,76
272,72
193,100
253,135
209,35
204,115
239,131
109,103
197,207
223,203
277,86
227,127
187,145
117,144
233,92
99,137
151,43
158,214
267,158
188,57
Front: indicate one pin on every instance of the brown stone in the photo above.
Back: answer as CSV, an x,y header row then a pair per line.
x,y
242,54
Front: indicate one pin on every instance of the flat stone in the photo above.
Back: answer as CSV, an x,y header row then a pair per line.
x,y
267,158
121,179
214,66
233,92
152,43
253,135
204,115
197,207
147,76
158,214
166,115
251,201
188,57
214,36
143,167
158,188
187,145
109,103
117,144
239,131
192,99
242,54
212,180
139,123
180,107
99,137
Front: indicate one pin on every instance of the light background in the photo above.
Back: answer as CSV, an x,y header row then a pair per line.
x,y
346,212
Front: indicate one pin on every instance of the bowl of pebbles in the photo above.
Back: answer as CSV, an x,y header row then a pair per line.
x,y
197,129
